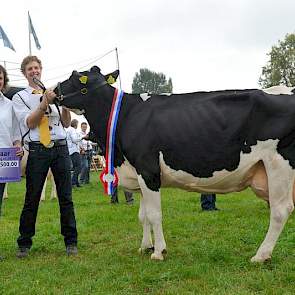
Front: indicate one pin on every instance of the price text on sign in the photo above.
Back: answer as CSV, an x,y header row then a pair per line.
x,y
9,163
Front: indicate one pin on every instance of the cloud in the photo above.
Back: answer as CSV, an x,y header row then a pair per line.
x,y
200,44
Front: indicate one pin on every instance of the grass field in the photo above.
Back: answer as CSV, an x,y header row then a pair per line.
x,y
208,252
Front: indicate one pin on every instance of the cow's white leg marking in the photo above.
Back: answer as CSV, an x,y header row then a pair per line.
x,y
152,204
147,242
280,182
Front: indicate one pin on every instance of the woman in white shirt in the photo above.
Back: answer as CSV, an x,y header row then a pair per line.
x,y
9,127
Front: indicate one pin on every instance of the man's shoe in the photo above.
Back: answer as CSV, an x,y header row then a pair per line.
x,y
114,198
22,252
210,209
72,250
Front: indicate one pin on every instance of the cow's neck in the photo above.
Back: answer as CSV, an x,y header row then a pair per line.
x,y
97,114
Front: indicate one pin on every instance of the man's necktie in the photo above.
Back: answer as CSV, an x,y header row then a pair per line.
x,y
37,91
44,131
43,125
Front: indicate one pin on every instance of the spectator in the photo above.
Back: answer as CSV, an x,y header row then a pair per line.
x,y
86,155
9,127
208,202
73,139
128,196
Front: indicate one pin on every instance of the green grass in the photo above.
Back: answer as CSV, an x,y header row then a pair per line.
x,y
208,252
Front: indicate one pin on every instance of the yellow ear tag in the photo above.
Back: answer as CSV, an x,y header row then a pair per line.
x,y
111,79
83,79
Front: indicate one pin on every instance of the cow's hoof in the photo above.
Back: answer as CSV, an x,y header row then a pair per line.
x,y
142,251
157,256
260,259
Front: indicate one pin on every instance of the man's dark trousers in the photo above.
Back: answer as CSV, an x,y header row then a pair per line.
x,y
76,161
39,161
208,201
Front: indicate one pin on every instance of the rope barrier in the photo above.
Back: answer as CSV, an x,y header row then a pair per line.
x,y
90,61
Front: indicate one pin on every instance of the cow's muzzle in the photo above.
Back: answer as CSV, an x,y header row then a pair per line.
x,y
59,96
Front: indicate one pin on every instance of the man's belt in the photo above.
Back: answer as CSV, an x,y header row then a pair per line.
x,y
53,143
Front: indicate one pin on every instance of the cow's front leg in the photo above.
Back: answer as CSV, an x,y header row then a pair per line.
x,y
5,194
43,193
147,243
53,194
152,205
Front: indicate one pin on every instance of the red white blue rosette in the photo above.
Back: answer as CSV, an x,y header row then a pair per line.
x,y
109,177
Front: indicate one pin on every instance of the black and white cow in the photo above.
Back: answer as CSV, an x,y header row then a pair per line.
x,y
220,142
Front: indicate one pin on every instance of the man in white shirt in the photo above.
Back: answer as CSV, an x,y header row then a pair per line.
x,y
42,126
86,155
74,138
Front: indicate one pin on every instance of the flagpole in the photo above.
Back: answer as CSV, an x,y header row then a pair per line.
x,y
117,56
29,27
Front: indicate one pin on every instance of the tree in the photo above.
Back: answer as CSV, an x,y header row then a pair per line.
x,y
151,82
280,67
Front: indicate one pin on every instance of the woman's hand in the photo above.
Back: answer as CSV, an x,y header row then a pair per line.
x,y
19,151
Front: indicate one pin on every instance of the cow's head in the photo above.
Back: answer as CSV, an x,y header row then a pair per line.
x,y
76,91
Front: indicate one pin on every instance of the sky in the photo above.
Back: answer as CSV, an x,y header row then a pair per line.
x,y
201,44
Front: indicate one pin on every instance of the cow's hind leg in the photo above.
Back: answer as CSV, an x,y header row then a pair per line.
x,y
280,182
147,243
152,205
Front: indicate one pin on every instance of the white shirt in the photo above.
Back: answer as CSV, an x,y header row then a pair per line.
x,y
73,139
85,144
9,126
29,103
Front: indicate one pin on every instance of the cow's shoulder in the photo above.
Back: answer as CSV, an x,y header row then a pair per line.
x,y
280,90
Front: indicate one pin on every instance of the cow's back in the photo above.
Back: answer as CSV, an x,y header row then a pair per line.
x,y
198,133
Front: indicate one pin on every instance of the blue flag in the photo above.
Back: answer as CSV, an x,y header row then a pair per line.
x,y
5,39
32,31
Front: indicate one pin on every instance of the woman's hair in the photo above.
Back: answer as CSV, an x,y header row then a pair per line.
x,y
29,59
3,70
74,123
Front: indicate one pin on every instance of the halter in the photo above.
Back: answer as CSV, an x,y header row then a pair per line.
x,y
85,90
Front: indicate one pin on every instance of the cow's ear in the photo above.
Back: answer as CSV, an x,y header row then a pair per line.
x,y
112,77
95,69
75,73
